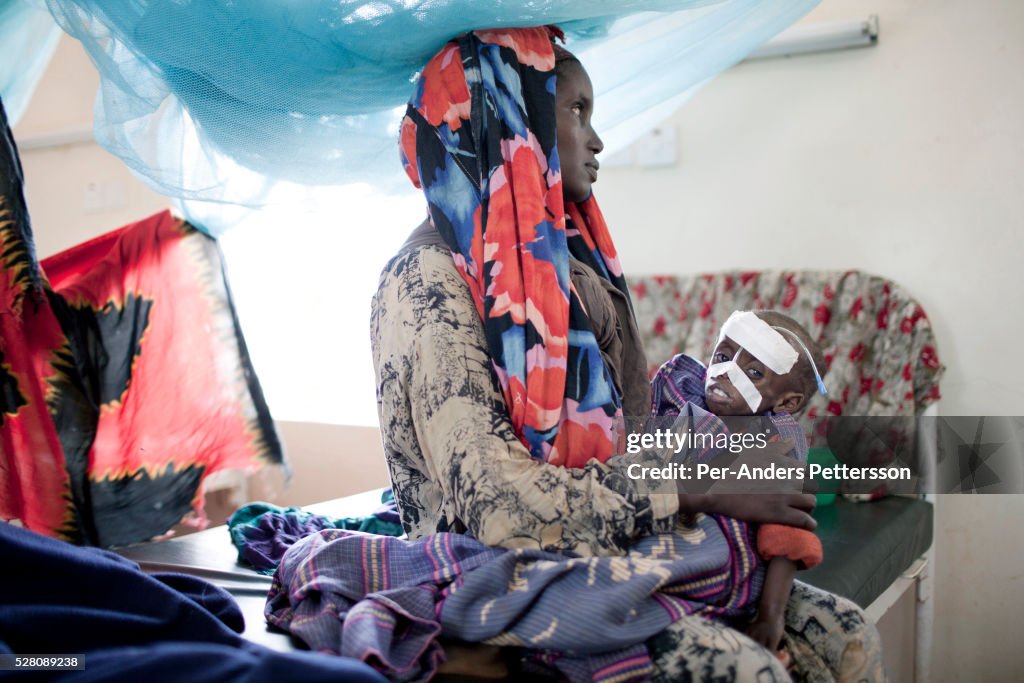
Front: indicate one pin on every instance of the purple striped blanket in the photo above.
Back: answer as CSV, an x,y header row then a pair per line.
x,y
388,601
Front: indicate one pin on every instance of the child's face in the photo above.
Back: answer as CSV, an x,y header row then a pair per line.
x,y
778,392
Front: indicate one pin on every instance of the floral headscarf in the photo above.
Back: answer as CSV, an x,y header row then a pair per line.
x,y
479,139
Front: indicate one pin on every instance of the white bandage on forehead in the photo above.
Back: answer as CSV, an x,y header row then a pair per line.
x,y
760,340
739,380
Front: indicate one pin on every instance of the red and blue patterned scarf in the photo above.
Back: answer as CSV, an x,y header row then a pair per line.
x,y
479,139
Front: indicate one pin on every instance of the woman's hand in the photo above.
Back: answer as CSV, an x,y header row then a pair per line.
x,y
790,509
760,501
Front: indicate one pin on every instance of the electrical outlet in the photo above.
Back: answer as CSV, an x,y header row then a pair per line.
x,y
657,148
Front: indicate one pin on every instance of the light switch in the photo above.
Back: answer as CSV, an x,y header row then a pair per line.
x,y
92,198
104,196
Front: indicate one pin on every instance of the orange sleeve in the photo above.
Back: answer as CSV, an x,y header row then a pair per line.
x,y
799,545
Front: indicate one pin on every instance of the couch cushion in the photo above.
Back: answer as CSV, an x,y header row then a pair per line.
x,y
868,546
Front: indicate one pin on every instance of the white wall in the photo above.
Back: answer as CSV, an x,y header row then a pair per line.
x,y
327,461
905,160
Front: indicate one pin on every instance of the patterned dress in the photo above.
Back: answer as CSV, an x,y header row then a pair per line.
x,y
456,465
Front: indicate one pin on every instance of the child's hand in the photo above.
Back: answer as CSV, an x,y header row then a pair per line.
x,y
770,622
767,631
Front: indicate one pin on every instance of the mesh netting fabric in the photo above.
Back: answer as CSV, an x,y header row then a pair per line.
x,y
28,38
225,101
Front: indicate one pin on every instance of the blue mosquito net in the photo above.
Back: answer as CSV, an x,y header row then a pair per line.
x,y
230,101
28,38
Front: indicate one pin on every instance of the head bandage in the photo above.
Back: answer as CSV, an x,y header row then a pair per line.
x,y
766,344
739,380
760,340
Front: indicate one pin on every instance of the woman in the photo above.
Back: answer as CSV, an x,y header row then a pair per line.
x,y
505,348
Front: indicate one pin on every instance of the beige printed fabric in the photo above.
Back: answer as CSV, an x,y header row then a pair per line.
x,y
455,463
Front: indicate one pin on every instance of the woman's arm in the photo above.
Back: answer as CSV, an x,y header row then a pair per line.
x,y
451,448
787,509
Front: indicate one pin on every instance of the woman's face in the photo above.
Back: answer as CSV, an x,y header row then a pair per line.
x,y
578,144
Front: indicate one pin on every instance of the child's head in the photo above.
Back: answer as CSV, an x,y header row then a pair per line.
x,y
763,361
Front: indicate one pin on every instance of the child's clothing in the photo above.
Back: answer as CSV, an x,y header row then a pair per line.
x,y
680,381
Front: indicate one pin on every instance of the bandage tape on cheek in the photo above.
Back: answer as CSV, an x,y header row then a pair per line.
x,y
739,380
761,341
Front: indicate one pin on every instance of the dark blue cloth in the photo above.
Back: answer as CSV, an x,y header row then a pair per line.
x,y
62,599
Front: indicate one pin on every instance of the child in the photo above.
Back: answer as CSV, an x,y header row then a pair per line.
x,y
765,363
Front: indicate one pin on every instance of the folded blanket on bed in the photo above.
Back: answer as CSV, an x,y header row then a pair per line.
x,y
262,532
388,601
